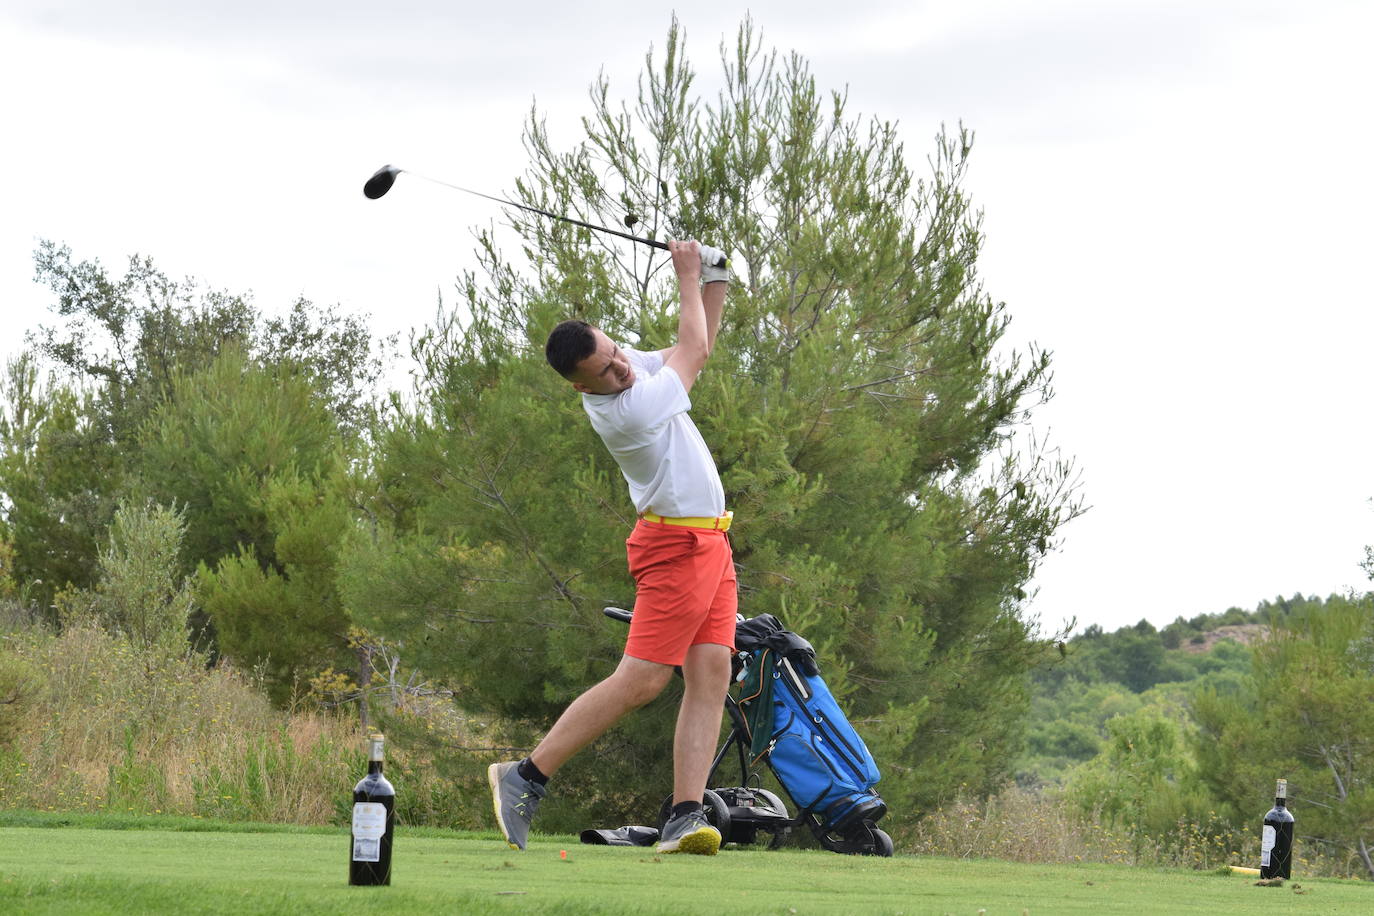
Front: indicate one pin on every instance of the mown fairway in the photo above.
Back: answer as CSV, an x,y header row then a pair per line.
x,y
222,868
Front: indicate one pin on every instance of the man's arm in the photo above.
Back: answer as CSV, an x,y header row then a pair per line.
x,y
713,301
693,345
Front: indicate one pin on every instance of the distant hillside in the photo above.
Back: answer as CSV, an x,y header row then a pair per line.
x,y
1244,633
1097,676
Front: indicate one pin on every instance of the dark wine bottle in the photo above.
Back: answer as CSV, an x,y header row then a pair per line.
x,y
1276,842
374,822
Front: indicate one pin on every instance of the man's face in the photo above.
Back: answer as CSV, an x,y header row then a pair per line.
x,y
606,371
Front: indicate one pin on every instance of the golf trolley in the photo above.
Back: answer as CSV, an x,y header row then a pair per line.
x,y
842,821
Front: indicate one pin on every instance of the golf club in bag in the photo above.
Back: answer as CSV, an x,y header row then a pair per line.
x,y
382,180
786,716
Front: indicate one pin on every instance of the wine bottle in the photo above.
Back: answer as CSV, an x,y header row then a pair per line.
x,y
374,822
1276,842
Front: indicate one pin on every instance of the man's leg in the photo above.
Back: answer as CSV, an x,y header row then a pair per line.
x,y
634,683
706,672
515,798
707,675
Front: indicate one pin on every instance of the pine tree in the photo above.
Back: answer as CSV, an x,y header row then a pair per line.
x,y
858,406
256,460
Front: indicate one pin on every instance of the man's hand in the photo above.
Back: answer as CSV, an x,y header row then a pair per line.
x,y
714,265
686,261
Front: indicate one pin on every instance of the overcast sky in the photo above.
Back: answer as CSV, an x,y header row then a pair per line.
x,y
1177,202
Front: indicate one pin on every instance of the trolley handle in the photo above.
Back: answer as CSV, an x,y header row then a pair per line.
x,y
618,613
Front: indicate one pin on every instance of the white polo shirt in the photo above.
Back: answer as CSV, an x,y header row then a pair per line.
x,y
663,457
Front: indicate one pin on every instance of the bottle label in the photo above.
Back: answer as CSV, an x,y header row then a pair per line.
x,y
369,820
1266,845
369,825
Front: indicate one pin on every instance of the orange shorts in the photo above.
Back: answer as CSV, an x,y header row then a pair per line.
x,y
685,591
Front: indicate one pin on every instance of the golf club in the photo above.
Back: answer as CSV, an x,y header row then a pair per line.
x,y
385,177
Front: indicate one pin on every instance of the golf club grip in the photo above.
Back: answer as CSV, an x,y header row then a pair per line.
x,y
713,257
618,613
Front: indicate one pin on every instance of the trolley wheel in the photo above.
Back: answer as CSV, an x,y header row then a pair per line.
x,y
861,839
772,800
717,813
782,832
882,843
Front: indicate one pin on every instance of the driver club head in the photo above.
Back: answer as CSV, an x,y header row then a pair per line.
x,y
380,182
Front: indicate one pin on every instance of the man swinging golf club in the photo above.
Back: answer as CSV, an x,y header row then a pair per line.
x,y
685,590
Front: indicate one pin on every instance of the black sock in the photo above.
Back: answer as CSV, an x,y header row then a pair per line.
x,y
528,770
686,807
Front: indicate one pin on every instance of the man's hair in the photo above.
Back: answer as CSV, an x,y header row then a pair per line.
x,y
569,343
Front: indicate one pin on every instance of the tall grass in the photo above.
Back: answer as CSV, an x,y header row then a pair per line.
x,y
1044,826
103,724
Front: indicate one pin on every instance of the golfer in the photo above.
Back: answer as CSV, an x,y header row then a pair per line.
x,y
685,595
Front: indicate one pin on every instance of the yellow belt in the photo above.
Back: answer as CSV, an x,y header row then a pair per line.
x,y
715,524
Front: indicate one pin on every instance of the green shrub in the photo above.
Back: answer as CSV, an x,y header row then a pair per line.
x,y
139,592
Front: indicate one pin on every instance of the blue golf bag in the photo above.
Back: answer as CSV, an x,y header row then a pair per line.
x,y
796,725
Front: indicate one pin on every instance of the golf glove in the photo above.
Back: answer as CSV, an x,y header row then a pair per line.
x,y
714,265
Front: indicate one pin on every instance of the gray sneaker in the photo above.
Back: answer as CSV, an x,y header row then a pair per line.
x,y
690,833
514,799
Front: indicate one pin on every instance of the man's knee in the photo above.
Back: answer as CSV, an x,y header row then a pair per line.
x,y
707,667
639,681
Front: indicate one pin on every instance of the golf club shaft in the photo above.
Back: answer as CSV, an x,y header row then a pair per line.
x,y
381,182
566,219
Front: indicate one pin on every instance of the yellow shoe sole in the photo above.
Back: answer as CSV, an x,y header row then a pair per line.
x,y
704,841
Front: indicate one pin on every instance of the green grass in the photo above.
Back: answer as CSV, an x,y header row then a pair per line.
x,y
181,823
185,865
